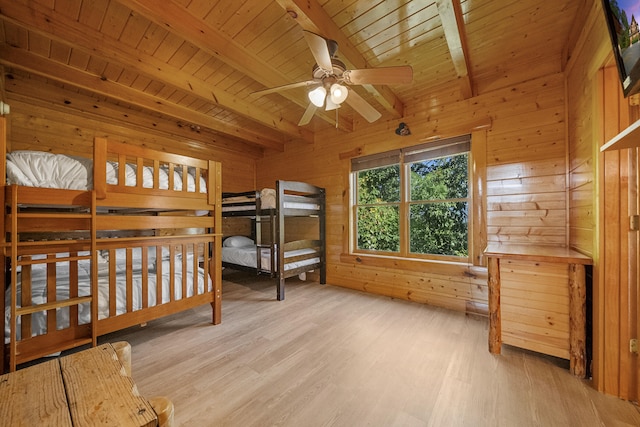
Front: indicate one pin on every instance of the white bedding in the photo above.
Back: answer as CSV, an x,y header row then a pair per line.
x,y
38,273
267,201
247,256
48,170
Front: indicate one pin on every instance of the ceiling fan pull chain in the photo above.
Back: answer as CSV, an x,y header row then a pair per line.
x,y
337,118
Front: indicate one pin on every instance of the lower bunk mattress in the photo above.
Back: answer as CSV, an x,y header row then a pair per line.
x,y
168,280
247,256
242,251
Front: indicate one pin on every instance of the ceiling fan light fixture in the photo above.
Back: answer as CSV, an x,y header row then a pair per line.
x,y
317,95
330,105
338,93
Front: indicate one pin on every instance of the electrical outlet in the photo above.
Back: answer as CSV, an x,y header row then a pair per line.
x,y
633,345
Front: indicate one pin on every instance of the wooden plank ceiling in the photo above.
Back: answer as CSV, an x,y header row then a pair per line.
x,y
197,62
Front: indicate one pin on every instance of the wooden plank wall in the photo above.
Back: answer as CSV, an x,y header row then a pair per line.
x,y
525,179
613,214
592,49
599,195
51,118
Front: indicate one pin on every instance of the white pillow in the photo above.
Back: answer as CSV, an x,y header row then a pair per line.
x,y
44,169
237,242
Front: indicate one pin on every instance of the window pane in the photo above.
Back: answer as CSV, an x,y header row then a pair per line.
x,y
439,228
440,179
379,228
379,185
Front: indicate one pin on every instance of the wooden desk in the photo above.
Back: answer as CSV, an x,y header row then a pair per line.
x,y
547,298
83,389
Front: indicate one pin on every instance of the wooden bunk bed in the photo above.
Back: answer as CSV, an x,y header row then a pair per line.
x,y
270,249
80,263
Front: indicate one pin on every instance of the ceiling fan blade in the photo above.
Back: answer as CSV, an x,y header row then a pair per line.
x,y
380,76
285,87
362,107
308,114
319,50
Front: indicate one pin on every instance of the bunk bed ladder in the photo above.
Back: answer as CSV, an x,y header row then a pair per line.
x,y
21,251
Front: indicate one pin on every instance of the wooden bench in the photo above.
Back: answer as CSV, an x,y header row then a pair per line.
x,y
90,387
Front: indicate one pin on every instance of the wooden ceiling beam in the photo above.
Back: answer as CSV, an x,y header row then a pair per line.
x,y
312,17
54,25
21,59
450,13
177,19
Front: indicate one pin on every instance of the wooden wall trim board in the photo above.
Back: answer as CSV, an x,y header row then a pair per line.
x,y
598,294
567,168
631,239
634,272
478,191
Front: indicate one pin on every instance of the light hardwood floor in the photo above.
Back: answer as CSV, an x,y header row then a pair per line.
x,y
329,356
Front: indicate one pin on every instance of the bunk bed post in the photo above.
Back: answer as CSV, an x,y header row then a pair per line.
x,y
280,234
4,283
323,240
100,167
272,242
14,279
257,230
94,271
3,146
3,177
215,168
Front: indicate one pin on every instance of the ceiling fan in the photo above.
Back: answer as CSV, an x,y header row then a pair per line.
x,y
331,78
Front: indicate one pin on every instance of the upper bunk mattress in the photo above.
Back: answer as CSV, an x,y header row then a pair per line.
x,y
49,170
247,203
267,201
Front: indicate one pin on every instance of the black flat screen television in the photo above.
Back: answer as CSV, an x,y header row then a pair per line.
x,y
622,16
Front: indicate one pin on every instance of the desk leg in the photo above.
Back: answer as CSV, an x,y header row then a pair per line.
x,y
577,320
495,326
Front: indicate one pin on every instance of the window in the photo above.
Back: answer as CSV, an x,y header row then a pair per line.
x,y
413,202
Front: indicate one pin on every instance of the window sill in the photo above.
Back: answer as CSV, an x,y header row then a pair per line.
x,y
411,264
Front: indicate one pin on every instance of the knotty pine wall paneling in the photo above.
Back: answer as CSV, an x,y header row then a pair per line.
x,y
45,116
524,140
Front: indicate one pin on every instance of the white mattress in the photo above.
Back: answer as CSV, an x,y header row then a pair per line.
x,y
247,256
38,272
267,201
48,170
